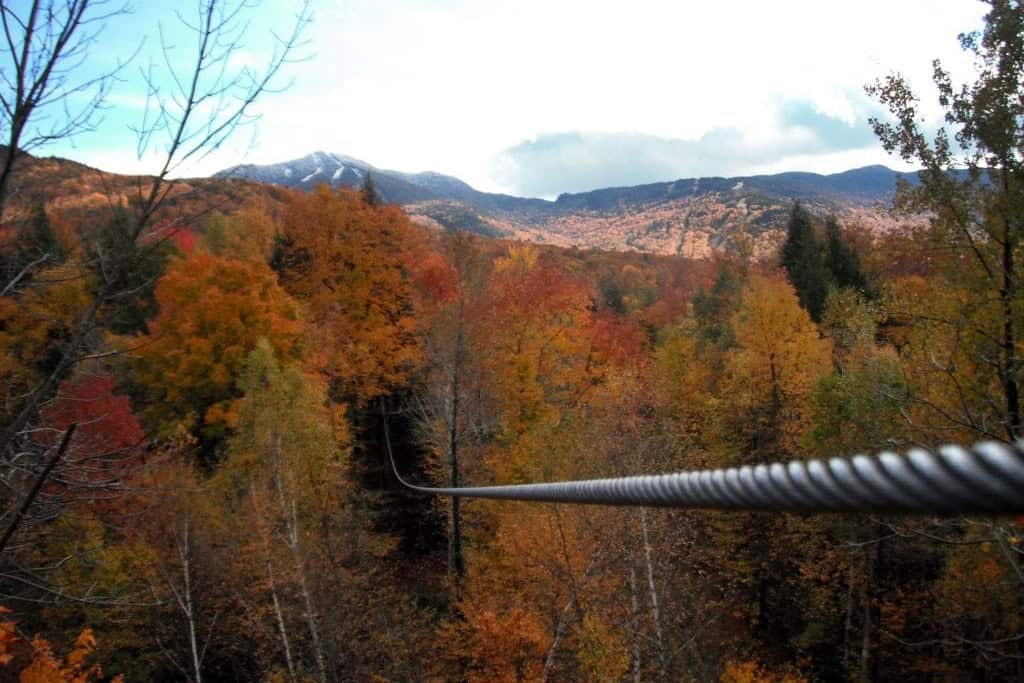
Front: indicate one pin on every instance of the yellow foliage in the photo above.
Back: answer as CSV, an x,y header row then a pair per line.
x,y
754,672
770,378
603,652
946,350
32,323
520,260
683,380
538,354
247,235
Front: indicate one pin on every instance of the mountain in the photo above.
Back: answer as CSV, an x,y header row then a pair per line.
x,y
394,187
688,216
84,194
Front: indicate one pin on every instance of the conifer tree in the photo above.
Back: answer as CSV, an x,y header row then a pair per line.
x,y
713,309
36,246
368,191
842,261
801,257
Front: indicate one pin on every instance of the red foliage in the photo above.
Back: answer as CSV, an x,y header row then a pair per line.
x,y
184,240
107,441
434,277
615,339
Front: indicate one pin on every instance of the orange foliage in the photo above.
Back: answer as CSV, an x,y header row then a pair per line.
x,y
503,648
538,317
346,261
753,672
45,665
213,310
615,340
435,277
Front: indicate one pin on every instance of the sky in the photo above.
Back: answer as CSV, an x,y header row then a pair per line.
x,y
540,97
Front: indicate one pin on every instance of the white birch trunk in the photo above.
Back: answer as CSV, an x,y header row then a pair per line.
x,y
291,517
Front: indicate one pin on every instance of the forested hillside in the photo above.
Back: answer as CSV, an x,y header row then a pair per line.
x,y
691,217
201,379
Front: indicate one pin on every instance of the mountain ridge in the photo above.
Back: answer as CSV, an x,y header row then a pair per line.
x,y
688,216
869,183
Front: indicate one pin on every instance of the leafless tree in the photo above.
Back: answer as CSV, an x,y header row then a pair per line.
x,y
45,94
192,112
202,104
451,412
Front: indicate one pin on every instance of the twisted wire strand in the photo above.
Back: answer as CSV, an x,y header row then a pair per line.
x,y
987,478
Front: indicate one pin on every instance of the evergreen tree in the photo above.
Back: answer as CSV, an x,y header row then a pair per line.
x,y
802,258
40,239
36,247
368,191
713,310
132,267
842,261
611,295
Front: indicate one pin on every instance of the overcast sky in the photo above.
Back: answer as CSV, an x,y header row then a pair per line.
x,y
539,97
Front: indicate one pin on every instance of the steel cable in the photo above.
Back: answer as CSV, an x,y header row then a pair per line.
x,y
987,478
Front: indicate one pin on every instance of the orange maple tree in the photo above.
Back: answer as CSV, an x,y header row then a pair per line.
x,y
346,260
213,310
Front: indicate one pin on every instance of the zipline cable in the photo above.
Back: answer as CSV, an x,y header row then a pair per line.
x,y
987,478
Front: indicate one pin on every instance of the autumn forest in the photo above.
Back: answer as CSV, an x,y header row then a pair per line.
x,y
202,379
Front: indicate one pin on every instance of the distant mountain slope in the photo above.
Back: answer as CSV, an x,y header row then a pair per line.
x,y
83,193
394,187
687,216
863,185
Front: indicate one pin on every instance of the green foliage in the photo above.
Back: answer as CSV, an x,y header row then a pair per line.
x,y
283,414
129,268
34,247
212,313
841,261
117,570
713,310
975,215
851,321
610,295
368,191
41,239
805,267
860,409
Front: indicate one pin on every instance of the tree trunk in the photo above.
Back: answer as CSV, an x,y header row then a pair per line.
x,y
848,628
280,620
291,517
186,601
456,564
776,411
655,611
307,597
563,618
634,593
1006,294
268,563
870,610
865,637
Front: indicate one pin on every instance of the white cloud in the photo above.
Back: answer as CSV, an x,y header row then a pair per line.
x,y
577,161
448,85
